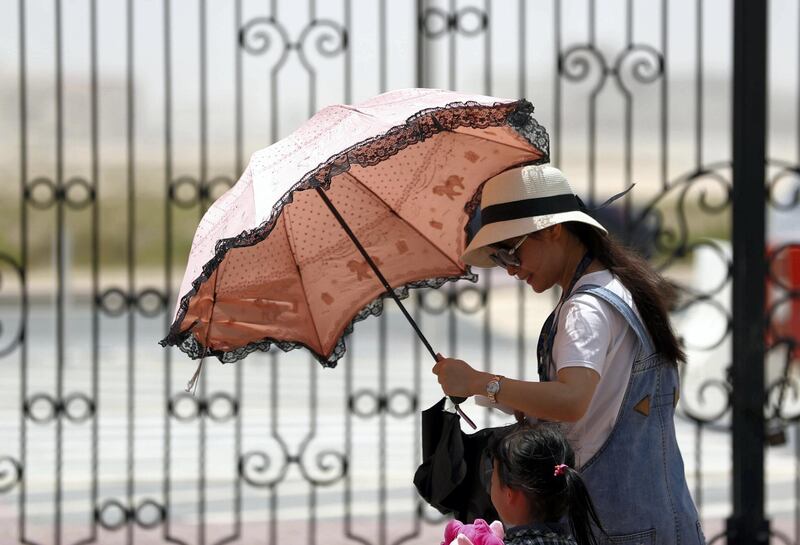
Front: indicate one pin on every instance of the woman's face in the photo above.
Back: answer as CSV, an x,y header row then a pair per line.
x,y
539,257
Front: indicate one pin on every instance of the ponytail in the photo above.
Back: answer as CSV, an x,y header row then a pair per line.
x,y
653,295
580,509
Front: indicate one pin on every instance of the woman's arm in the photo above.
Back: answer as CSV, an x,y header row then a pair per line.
x,y
565,399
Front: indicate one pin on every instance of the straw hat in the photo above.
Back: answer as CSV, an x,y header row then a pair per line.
x,y
520,201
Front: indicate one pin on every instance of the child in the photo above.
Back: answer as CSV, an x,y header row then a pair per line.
x,y
533,487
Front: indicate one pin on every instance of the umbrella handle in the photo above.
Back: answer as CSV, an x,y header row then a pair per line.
x,y
390,291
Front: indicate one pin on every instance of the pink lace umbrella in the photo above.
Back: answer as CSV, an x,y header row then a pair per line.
x,y
360,203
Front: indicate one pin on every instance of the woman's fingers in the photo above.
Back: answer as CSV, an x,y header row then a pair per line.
x,y
453,375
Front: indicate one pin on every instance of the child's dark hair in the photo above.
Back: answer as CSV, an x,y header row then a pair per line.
x,y
539,461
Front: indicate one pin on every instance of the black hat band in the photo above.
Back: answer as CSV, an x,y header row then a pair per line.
x,y
540,206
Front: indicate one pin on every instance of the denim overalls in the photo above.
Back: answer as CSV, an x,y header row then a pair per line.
x,y
636,479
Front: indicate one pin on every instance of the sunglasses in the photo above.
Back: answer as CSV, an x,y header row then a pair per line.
x,y
506,257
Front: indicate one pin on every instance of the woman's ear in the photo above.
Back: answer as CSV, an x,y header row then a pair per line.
x,y
548,234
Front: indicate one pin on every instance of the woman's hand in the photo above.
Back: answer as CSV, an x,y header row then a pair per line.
x,y
456,376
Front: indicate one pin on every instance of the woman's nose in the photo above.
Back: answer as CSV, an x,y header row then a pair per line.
x,y
511,270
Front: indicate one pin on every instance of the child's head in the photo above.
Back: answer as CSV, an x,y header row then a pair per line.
x,y
534,480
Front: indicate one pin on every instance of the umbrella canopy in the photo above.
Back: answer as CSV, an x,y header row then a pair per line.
x,y
270,264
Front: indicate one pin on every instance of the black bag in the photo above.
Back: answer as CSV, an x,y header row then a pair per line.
x,y
455,474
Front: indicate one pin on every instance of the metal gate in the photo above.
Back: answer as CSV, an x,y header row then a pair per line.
x,y
123,120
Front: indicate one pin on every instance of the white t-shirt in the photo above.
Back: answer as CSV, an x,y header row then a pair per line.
x,y
591,333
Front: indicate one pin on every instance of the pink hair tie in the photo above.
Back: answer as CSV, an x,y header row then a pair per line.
x,y
560,470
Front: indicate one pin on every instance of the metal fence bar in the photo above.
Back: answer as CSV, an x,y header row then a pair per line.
x,y
23,263
596,77
747,524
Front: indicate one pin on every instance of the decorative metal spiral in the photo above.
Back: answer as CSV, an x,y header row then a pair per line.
x,y
257,36
642,63
15,340
254,467
329,466
706,191
699,406
10,473
675,243
330,38
580,62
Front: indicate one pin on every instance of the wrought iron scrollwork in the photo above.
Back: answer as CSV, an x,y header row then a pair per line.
x,y
256,467
44,408
468,21
219,407
113,515
115,302
643,63
257,36
788,176
399,403
674,243
701,193
580,62
782,320
330,39
78,193
8,346
466,299
188,192
10,473
43,193
329,466
637,63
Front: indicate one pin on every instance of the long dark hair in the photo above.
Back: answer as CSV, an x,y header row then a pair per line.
x,y
652,294
526,459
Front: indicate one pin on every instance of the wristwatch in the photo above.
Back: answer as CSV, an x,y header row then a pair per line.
x,y
493,388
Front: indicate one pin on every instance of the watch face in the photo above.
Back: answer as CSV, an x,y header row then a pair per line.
x,y
493,387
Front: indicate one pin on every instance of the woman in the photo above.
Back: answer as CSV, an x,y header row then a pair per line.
x,y
607,355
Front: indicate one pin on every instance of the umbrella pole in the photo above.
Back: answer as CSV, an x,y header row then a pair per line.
x,y
389,290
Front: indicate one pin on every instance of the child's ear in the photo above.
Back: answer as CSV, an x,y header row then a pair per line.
x,y
516,497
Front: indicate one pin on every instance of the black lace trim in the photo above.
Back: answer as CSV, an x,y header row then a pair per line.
x,y
372,151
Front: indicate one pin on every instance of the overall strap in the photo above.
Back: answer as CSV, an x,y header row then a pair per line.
x,y
544,347
625,310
